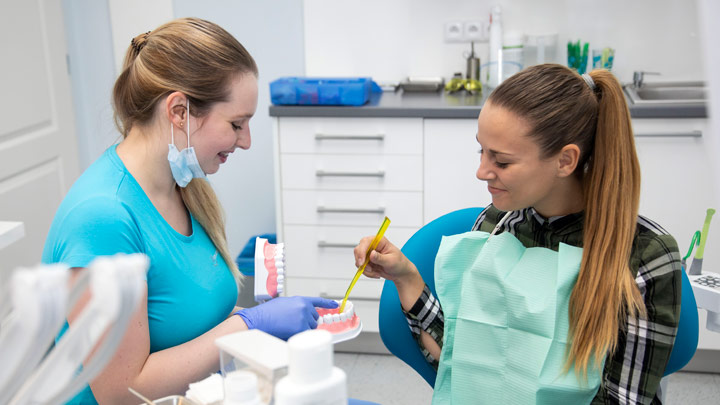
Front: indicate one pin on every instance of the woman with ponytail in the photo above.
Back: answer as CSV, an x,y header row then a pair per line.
x,y
183,103
558,156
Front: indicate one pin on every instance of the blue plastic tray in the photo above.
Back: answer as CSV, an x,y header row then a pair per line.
x,y
320,91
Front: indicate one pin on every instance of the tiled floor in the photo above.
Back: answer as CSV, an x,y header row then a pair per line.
x,y
388,381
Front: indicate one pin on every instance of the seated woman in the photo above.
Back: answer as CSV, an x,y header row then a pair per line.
x,y
563,294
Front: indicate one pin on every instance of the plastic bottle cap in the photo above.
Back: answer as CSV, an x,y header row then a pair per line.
x,y
311,356
241,388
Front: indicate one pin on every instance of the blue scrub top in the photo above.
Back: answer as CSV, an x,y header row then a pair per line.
x,y
190,288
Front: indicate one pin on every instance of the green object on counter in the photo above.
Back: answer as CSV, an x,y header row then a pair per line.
x,y
696,268
703,234
578,56
457,83
694,242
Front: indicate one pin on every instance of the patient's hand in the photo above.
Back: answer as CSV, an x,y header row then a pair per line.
x,y
386,261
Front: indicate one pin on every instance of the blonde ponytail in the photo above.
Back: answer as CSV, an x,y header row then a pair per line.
x,y
200,199
606,294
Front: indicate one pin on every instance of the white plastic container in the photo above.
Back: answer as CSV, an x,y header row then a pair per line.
x,y
495,63
541,48
258,352
241,388
312,379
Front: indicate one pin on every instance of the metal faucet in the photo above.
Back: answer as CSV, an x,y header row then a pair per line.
x,y
639,75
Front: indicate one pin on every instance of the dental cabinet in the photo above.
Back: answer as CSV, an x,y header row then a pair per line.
x,y
413,157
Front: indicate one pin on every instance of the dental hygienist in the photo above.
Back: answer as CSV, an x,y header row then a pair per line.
x,y
183,103
561,293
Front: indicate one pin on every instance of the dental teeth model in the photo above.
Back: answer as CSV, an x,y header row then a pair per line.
x,y
343,326
269,269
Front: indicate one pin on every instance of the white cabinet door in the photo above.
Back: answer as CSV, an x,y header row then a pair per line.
x,y
38,148
677,188
451,161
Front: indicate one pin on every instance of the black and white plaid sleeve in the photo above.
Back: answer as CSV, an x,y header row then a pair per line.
x,y
426,315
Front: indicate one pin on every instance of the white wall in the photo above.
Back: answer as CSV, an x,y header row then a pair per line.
x,y
130,18
92,74
390,40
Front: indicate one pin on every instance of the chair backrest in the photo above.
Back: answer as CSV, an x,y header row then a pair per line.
x,y
686,340
421,249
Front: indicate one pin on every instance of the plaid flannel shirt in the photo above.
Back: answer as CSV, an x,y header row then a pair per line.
x,y
632,374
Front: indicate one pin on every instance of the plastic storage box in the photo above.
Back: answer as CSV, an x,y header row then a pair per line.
x,y
320,91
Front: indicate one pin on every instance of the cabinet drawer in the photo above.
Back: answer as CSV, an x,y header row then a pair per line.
x,y
358,172
365,296
327,251
362,208
351,135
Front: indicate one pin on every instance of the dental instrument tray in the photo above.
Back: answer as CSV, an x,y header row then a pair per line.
x,y
422,84
320,91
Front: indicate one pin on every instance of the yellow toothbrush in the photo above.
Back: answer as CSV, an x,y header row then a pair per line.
x,y
373,245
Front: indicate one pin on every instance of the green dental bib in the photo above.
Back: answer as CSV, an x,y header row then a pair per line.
x,y
506,322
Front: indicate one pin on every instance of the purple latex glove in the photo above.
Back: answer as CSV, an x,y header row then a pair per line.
x,y
283,317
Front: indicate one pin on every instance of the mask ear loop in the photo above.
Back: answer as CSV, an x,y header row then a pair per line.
x,y
188,122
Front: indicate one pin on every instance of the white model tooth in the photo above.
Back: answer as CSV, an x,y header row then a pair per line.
x,y
280,272
343,317
350,312
279,264
280,279
336,317
320,321
327,318
280,288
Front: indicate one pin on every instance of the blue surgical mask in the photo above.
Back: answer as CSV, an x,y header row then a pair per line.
x,y
184,164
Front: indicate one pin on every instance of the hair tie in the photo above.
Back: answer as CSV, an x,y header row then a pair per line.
x,y
138,43
589,81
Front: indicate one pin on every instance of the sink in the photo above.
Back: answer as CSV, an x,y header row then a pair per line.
x,y
668,93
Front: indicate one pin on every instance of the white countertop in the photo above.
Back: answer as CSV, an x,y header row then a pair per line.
x,y
10,232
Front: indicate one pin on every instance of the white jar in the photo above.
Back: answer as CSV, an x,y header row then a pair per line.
x,y
311,379
241,388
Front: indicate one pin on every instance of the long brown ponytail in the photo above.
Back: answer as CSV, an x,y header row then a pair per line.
x,y
563,109
199,59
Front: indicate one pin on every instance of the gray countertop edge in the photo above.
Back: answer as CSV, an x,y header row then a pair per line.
x,y
407,112
439,105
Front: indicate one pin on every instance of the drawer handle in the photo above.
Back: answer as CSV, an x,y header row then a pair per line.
x,y
378,210
323,244
323,173
333,137
354,298
691,134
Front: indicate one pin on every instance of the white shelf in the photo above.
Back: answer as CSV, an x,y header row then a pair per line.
x,y
10,232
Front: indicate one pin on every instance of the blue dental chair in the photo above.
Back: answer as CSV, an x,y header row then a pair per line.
x,y
421,249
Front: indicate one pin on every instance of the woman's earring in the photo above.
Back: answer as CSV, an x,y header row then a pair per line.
x,y
181,123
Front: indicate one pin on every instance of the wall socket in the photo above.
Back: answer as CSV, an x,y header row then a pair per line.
x,y
465,31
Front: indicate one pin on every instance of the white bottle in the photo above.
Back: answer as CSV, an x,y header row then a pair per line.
x,y
241,388
495,64
312,379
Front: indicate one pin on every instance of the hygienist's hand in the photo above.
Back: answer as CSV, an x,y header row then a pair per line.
x,y
386,261
283,317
